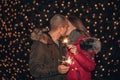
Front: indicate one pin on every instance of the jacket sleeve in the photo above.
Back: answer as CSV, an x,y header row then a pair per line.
x,y
85,62
37,65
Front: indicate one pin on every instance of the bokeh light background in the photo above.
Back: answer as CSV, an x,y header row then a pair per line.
x,y
18,18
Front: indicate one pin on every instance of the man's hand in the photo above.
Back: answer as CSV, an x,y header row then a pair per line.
x,y
63,69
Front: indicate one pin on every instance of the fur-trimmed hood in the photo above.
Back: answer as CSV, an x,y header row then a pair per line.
x,y
89,43
38,35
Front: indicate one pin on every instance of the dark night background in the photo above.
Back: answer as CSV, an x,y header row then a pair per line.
x,y
18,18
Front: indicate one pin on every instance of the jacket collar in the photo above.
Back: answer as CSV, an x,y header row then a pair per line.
x,y
46,39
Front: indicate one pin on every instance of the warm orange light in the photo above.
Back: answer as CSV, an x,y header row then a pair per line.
x,y
65,40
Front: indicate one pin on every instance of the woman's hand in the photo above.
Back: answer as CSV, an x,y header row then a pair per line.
x,y
72,49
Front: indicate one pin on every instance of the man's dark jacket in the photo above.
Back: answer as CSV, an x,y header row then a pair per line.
x,y
44,59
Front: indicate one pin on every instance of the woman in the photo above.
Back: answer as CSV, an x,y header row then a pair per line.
x,y
81,49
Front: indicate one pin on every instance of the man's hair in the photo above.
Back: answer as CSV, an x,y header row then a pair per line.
x,y
57,20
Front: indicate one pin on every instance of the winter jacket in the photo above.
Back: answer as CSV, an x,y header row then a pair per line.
x,y
44,59
82,63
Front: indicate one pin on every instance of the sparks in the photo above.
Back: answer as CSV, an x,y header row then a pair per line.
x,y
65,40
69,61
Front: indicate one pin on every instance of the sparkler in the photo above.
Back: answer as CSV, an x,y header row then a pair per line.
x,y
65,40
69,60
66,60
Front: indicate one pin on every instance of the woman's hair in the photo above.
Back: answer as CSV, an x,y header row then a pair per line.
x,y
57,20
76,22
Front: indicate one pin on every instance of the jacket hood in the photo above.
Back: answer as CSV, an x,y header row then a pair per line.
x,y
89,43
42,37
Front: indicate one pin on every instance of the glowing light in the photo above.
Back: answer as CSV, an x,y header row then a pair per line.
x,y
69,61
19,18
65,40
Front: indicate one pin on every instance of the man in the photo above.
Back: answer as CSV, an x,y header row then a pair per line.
x,y
45,53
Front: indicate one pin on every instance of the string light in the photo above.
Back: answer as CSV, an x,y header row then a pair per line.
x,y
19,18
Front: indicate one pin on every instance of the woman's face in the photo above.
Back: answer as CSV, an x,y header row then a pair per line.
x,y
70,28
64,29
